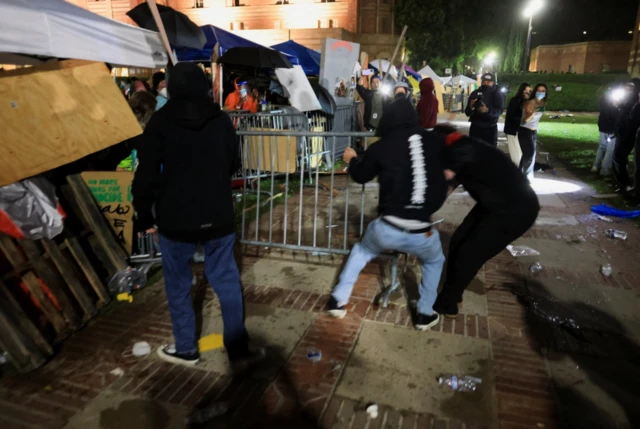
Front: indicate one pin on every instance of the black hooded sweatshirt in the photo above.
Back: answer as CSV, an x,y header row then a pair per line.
x,y
489,176
187,155
626,125
408,163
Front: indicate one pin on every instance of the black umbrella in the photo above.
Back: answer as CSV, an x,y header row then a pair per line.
x,y
181,31
257,57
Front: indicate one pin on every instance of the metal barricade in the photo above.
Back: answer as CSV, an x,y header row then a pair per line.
x,y
281,212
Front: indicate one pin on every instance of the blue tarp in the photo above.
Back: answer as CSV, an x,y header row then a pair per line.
x,y
610,211
308,59
225,39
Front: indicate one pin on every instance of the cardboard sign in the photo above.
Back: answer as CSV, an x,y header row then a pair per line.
x,y
336,68
112,192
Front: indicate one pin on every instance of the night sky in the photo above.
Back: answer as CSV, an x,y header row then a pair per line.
x,y
563,21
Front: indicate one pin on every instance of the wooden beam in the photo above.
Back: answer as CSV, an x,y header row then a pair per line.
x,y
52,279
47,307
22,352
97,223
83,261
22,320
70,277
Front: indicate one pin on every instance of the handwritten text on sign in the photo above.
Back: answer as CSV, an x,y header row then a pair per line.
x,y
112,192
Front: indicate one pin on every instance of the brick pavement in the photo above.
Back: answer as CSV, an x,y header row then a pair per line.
x,y
301,393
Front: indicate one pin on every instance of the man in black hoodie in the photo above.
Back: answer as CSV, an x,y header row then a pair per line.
x,y
626,129
408,163
484,108
506,207
187,155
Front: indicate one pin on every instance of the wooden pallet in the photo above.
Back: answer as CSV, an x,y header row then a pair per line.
x,y
53,287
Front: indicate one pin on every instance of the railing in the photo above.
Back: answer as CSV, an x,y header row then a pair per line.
x,y
277,208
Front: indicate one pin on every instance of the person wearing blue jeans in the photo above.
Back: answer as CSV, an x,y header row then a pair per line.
x,y
222,273
187,156
381,236
408,163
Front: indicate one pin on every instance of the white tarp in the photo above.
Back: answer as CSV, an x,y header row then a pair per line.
x,y
383,66
460,80
298,89
428,72
55,28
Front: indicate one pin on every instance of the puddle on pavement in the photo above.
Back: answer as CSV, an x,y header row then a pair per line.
x,y
288,271
135,414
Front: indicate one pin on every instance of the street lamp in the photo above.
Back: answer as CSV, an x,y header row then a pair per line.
x,y
533,8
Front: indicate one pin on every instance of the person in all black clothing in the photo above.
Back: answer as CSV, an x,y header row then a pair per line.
x,y
187,155
626,128
374,102
513,119
607,127
408,163
484,108
506,208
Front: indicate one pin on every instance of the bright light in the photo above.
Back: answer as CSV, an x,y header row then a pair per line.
x,y
385,89
550,186
490,58
618,94
584,32
533,8
630,32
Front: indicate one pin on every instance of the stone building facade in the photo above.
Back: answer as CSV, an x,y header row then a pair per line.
x,y
634,57
585,57
368,22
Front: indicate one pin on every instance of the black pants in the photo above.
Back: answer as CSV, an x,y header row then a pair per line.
x,y
487,134
636,164
528,139
480,237
624,146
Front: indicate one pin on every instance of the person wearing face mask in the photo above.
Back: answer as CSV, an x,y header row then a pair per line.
x,y
513,119
374,102
160,88
484,108
528,132
246,102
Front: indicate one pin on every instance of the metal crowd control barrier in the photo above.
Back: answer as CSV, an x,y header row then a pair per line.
x,y
281,212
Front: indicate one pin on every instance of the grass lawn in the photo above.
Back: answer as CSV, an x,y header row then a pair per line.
x,y
574,141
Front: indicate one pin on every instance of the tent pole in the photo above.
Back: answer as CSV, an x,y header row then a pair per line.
x,y
220,88
163,33
395,53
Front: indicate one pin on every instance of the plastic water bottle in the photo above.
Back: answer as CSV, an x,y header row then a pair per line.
x,y
460,384
537,267
606,270
614,233
126,280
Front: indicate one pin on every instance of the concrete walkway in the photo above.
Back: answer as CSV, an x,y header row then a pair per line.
x,y
572,363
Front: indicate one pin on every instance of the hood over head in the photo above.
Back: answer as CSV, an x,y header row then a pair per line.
x,y
397,115
426,86
189,104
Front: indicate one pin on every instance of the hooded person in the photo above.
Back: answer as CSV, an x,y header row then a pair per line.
x,y
428,105
626,129
182,191
506,207
407,161
484,108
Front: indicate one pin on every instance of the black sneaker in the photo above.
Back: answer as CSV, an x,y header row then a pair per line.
x,y
169,353
337,311
252,357
424,322
443,307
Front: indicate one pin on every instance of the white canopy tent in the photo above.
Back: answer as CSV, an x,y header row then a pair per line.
x,y
428,72
383,66
460,80
55,28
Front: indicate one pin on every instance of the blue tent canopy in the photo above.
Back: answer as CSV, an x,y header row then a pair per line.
x,y
225,40
309,59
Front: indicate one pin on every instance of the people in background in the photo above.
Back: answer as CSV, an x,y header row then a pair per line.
x,y
233,98
532,111
159,86
626,128
374,102
506,207
187,155
607,126
401,90
247,102
513,119
428,105
408,164
484,108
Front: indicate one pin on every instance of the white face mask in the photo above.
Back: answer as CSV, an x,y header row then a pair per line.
x,y
163,92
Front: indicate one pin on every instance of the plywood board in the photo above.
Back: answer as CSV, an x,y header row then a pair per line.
x,y
270,153
112,192
56,113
